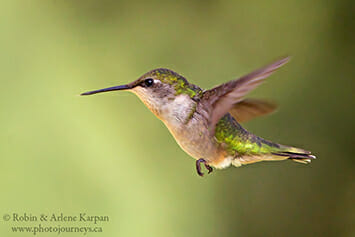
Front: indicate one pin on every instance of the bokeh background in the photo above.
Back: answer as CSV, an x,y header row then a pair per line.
x,y
108,155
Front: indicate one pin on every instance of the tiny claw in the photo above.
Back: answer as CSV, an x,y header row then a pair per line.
x,y
209,168
198,167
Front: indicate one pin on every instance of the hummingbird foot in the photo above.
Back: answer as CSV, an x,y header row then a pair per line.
x,y
198,166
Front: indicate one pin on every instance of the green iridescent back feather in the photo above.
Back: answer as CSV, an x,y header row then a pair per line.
x,y
239,141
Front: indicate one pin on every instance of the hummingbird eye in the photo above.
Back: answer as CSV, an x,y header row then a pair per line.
x,y
148,82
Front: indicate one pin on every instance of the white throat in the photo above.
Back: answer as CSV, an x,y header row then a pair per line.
x,y
176,112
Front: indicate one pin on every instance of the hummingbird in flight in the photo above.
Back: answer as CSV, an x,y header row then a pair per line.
x,y
206,123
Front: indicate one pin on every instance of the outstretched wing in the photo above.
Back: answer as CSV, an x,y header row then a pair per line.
x,y
248,109
222,98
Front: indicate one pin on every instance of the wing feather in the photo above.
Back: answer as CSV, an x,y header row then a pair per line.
x,y
222,98
248,109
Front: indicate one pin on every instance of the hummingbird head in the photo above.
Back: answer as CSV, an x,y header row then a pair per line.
x,y
158,89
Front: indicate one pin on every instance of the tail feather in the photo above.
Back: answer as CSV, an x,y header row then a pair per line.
x,y
275,156
305,157
283,152
276,152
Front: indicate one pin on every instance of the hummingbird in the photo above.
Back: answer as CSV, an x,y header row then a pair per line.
x,y
206,123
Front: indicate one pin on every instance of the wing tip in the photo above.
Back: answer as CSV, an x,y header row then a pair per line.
x,y
279,63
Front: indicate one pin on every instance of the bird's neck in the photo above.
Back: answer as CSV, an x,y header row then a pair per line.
x,y
178,111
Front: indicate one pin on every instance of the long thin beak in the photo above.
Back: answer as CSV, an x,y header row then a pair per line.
x,y
114,88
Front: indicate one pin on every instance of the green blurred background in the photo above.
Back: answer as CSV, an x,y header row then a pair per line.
x,y
108,155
